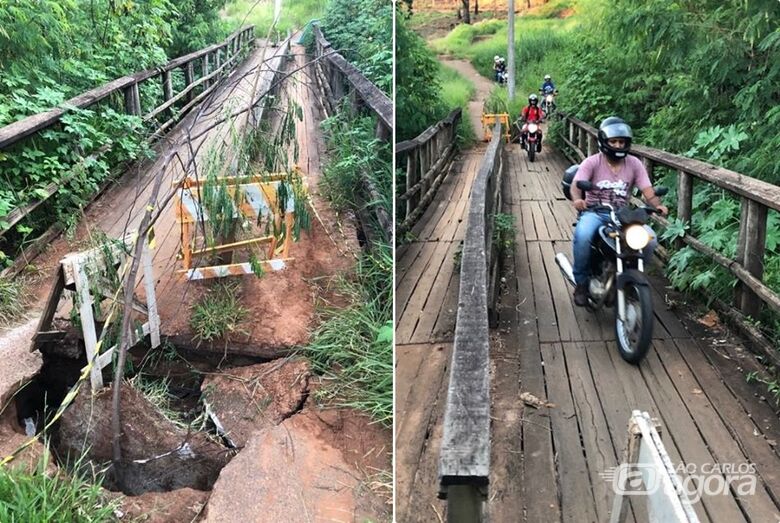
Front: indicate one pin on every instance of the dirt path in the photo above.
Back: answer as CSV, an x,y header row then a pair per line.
x,y
482,90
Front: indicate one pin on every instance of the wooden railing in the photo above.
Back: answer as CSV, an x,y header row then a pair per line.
x,y
215,62
427,159
757,198
338,79
464,459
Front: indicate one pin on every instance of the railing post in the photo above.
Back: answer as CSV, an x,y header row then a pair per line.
x,y
132,100
650,168
572,130
381,132
591,144
167,86
411,168
465,504
750,253
189,76
205,70
684,196
581,142
218,54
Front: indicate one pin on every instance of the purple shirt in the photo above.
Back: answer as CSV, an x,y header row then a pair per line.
x,y
612,187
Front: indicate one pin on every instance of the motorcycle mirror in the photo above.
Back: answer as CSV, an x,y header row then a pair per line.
x,y
584,185
660,191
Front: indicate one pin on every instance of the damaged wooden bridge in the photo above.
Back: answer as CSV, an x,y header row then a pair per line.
x,y
513,404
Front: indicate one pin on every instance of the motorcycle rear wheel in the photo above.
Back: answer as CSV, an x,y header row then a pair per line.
x,y
634,336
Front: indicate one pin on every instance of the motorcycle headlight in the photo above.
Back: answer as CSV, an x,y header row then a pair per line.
x,y
637,237
532,127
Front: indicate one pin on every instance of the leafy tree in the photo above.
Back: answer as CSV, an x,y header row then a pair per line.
x,y
362,31
417,103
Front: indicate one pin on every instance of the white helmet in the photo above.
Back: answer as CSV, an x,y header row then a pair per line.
x,y
496,58
547,77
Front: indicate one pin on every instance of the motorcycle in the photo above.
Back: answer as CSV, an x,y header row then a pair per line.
x,y
548,103
501,77
617,271
532,141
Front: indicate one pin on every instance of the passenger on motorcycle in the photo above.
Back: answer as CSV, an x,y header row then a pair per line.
x,y
531,113
614,174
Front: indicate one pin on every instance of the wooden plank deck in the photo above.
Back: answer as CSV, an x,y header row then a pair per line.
x,y
547,464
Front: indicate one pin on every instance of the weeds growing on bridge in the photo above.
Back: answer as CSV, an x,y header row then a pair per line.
x,y
13,300
354,344
504,231
219,314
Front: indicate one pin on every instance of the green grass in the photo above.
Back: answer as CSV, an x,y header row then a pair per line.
x,y
354,345
60,498
156,391
541,40
294,14
456,91
13,300
218,314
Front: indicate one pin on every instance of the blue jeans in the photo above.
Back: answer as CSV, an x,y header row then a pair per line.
x,y
587,227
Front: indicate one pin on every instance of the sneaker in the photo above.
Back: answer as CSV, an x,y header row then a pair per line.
x,y
581,295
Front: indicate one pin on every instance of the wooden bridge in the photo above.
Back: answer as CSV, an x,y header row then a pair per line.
x,y
225,92
462,428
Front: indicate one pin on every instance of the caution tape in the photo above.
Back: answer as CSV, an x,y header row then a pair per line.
x,y
85,372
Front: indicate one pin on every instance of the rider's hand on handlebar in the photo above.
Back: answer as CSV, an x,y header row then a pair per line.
x,y
580,205
662,209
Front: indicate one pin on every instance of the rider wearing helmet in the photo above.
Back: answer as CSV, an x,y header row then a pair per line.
x,y
613,174
499,65
531,113
548,86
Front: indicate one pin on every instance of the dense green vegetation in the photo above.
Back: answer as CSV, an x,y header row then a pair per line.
x,y
456,91
542,43
697,78
700,79
362,31
52,50
354,344
294,15
417,101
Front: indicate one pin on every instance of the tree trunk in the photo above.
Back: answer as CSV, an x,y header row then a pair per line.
x,y
466,14
476,7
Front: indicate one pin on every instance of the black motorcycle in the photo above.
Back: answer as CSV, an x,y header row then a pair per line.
x,y
617,271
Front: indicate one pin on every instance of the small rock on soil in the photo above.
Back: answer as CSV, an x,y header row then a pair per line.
x,y
180,506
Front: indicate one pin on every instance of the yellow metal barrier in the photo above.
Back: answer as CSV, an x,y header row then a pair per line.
x,y
489,120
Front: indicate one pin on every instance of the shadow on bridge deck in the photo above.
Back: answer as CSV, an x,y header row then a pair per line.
x,y
547,464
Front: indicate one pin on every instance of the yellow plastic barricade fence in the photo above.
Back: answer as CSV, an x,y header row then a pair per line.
x,y
489,120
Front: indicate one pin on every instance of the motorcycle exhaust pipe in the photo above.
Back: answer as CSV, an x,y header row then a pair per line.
x,y
565,267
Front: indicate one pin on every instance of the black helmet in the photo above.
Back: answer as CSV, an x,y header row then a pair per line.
x,y
533,99
614,127
568,179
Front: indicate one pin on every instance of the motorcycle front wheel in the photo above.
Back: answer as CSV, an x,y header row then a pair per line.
x,y
531,148
634,335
